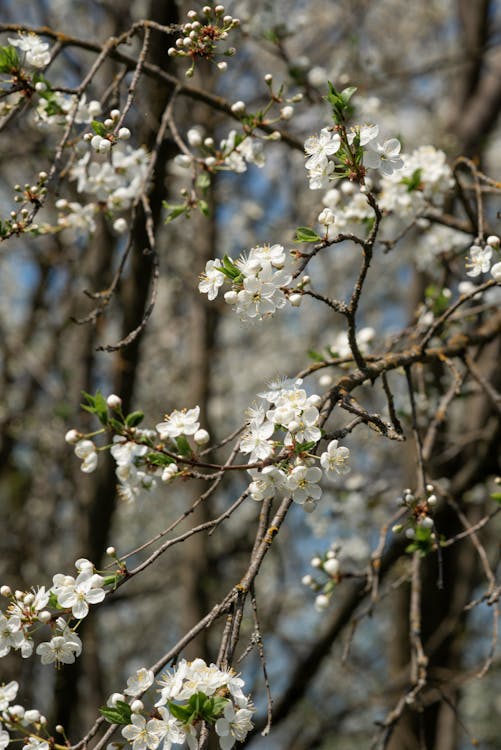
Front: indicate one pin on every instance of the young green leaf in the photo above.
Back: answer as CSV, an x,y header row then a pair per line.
x,y
305,234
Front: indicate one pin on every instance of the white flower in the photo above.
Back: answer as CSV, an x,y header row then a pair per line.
x,y
86,450
126,452
304,429
366,133
335,459
255,441
36,51
233,725
139,682
319,175
167,728
179,423
267,483
326,217
479,261
79,593
302,482
61,648
386,157
4,739
320,147
11,635
142,735
211,279
7,694
35,744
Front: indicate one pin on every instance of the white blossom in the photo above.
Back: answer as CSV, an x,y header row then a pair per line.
x,y
139,682
335,459
179,423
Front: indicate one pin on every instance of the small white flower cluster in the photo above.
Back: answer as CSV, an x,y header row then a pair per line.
x,y
36,52
234,153
27,610
296,414
200,36
321,148
258,281
424,180
220,700
109,185
55,109
419,524
329,564
480,258
133,452
16,718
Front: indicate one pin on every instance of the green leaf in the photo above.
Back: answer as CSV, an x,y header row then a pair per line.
x,y
183,446
181,713
203,180
305,447
134,418
347,93
120,713
9,60
305,234
98,128
229,268
315,356
159,459
414,181
96,405
174,210
204,207
496,496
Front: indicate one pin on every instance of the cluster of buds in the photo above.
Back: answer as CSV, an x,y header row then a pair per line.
x,y
106,133
329,565
419,526
201,34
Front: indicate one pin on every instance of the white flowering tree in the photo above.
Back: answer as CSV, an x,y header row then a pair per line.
x,y
270,276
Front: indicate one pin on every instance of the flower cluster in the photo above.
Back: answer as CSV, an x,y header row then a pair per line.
x,y
423,180
141,458
480,258
29,722
233,153
27,610
201,34
321,149
296,414
258,281
191,693
36,52
329,565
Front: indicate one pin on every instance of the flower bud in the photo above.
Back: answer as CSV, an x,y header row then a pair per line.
x,y
316,562
238,108
113,401
331,566
120,225
114,698
295,300
136,706
124,134
111,551
5,591
72,436
321,602
201,437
